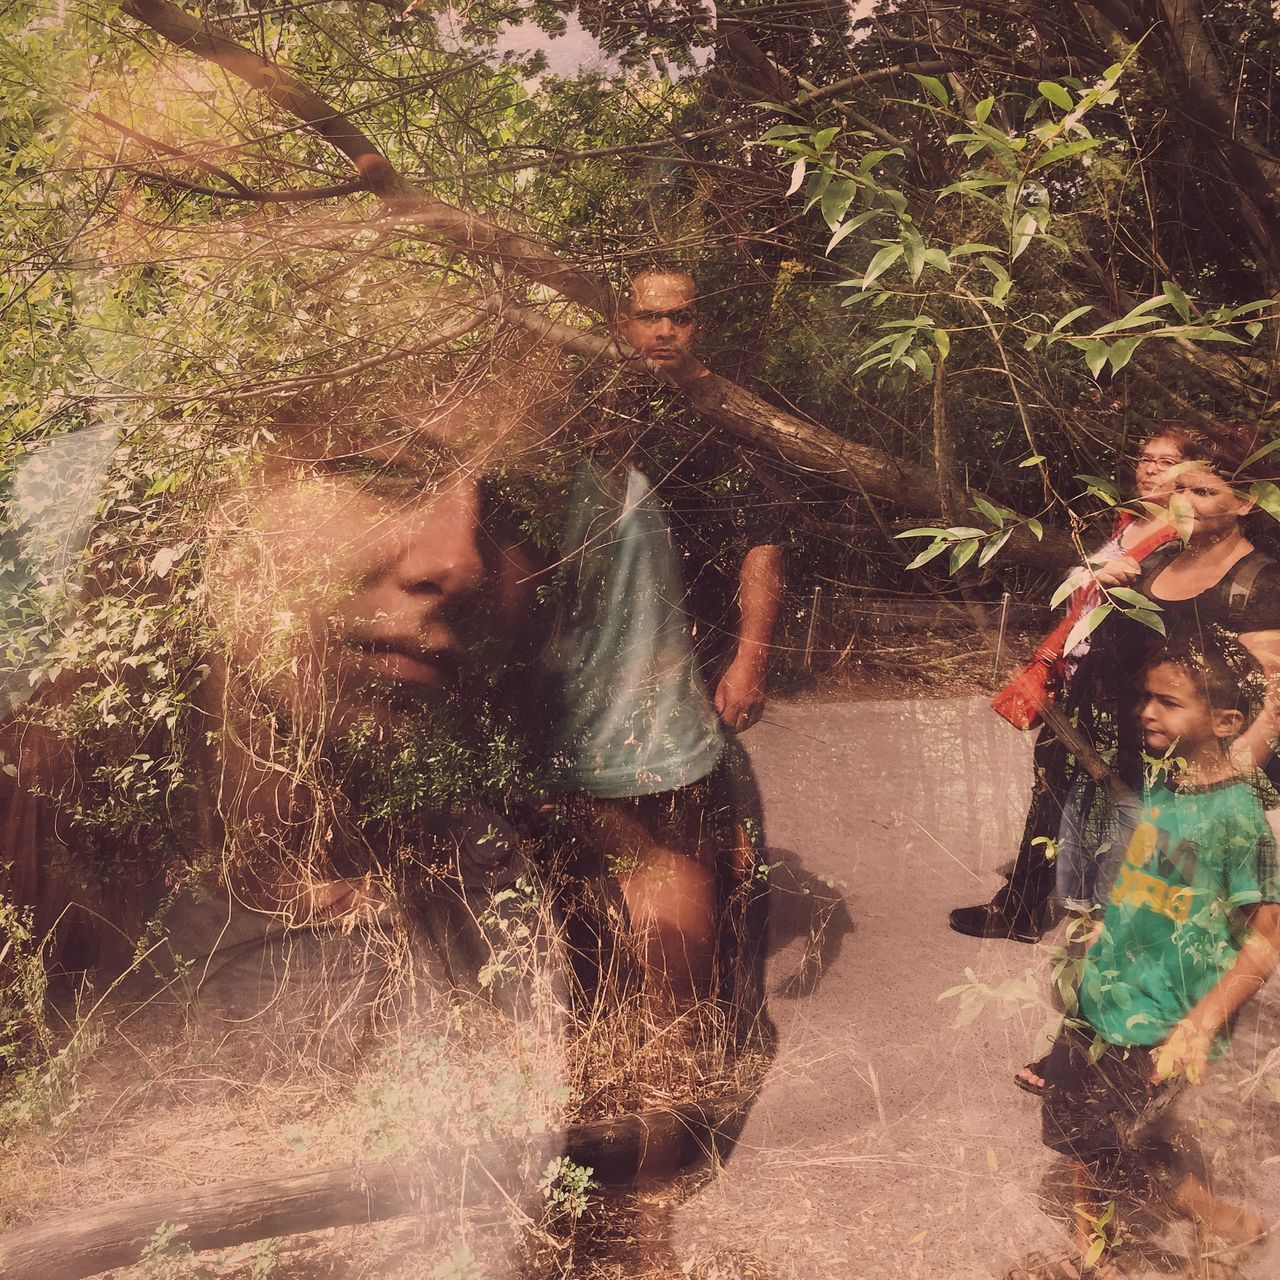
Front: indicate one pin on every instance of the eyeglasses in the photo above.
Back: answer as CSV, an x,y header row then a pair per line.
x,y
1161,462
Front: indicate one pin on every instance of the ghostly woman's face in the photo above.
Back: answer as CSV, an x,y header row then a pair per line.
x,y
372,574
1154,472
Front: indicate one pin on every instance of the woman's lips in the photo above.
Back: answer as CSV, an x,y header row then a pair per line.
x,y
404,662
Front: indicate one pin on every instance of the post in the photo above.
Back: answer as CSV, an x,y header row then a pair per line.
x,y
1004,618
813,618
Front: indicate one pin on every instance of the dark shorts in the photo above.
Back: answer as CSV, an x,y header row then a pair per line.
x,y
1106,1114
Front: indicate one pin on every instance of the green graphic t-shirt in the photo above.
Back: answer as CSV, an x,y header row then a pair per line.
x,y
1173,926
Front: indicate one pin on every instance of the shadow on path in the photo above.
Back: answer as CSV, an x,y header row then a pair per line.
x,y
807,909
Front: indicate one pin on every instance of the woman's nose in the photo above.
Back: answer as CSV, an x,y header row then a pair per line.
x,y
439,551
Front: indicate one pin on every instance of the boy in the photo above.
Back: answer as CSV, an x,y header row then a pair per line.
x,y
1190,934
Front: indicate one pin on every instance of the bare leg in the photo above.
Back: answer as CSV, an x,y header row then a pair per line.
x,y
1085,1208
1232,1223
671,900
670,891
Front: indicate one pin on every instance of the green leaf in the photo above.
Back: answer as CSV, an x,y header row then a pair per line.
x,y
1063,590
1023,234
941,340
913,248
923,362
1178,299
1254,328
934,86
1127,595
1134,317
780,131
1034,461
1036,528
1095,356
1147,618
994,514
923,533
928,554
1102,487
847,228
983,109
1258,454
992,549
1093,1252
1087,625
1056,94
1001,275
1122,352
881,263
962,553
1267,496
1064,151
836,200
823,139
962,249
1070,318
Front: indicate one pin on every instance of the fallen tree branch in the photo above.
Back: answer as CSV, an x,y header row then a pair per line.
x,y
812,448
808,447
618,1150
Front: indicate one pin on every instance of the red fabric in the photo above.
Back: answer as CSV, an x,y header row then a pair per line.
x,y
1022,701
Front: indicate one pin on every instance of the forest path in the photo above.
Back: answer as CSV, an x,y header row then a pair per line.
x,y
888,1142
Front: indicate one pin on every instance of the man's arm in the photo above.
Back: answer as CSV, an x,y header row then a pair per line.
x,y
1186,1051
740,694
1256,743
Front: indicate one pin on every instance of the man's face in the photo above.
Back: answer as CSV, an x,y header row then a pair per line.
x,y
662,323
375,575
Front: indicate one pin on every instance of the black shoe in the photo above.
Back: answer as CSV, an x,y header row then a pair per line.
x,y
988,920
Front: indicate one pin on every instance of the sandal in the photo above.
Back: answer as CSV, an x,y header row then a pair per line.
x,y
1024,1082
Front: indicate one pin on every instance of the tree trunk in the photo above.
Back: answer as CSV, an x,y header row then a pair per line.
x,y
618,1150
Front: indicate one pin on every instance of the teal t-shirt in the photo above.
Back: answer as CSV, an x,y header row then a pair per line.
x,y
634,716
1172,927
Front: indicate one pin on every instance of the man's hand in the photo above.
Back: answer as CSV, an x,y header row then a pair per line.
x,y
1184,1053
740,697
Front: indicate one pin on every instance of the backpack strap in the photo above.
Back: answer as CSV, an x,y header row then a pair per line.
x,y
1242,585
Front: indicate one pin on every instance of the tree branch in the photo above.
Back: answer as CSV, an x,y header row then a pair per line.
x,y
468,232
300,196
810,448
806,445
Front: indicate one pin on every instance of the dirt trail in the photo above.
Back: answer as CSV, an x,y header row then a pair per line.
x,y
888,1143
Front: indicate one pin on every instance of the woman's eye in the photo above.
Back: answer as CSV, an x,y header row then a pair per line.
x,y
380,478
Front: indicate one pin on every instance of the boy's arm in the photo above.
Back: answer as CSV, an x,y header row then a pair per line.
x,y
1186,1051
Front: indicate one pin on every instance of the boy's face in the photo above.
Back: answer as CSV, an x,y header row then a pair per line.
x,y
1175,710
